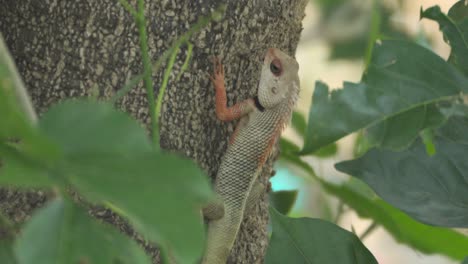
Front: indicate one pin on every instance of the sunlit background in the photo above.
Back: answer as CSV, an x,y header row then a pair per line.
x,y
328,53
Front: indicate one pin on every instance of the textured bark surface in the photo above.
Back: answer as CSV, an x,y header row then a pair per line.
x,y
71,48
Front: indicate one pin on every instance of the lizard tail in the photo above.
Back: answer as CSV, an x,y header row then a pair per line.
x,y
221,236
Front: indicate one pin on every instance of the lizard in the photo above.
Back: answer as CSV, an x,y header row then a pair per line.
x,y
262,119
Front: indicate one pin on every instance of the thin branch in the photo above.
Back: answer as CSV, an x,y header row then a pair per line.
x,y
20,89
187,60
166,75
127,87
129,8
369,230
202,22
339,212
374,32
147,78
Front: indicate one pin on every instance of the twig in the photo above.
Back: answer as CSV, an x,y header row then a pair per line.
x,y
166,75
129,8
127,87
147,78
187,60
369,230
20,90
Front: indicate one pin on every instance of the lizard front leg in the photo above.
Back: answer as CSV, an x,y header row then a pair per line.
x,y
223,112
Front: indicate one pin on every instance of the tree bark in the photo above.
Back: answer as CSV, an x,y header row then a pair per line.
x,y
69,48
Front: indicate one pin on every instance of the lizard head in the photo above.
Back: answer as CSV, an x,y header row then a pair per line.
x,y
279,80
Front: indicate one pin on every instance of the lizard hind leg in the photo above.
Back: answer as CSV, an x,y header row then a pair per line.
x,y
214,210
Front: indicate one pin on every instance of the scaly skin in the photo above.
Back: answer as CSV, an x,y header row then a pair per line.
x,y
263,120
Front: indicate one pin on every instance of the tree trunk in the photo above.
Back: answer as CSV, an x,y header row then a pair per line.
x,y
69,48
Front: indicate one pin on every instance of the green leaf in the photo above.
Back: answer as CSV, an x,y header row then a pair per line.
x,y
298,122
453,35
431,189
288,146
283,201
6,252
299,125
23,150
403,228
459,13
7,232
16,170
161,195
109,160
400,77
399,131
81,126
63,233
14,126
302,240
327,151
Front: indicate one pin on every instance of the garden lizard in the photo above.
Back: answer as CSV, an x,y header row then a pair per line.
x,y
262,120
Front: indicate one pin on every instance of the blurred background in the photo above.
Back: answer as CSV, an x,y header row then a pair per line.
x,y
333,49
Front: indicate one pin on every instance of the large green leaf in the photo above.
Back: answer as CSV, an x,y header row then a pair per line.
x,y
63,233
399,131
18,170
403,228
283,201
7,233
431,189
6,252
298,123
301,240
161,195
23,150
455,36
436,240
400,77
81,126
108,159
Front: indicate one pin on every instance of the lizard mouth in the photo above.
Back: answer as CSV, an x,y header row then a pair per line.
x,y
258,105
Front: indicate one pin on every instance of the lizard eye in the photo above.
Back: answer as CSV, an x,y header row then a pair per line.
x,y
275,67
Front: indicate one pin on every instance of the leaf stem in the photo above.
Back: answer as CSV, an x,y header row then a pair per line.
x,y
148,69
162,89
368,230
187,60
20,90
127,87
374,32
129,8
147,73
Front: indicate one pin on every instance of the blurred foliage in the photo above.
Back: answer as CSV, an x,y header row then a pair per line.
x,y
73,237
347,25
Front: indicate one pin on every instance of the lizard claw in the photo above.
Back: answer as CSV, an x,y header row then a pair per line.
x,y
217,78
